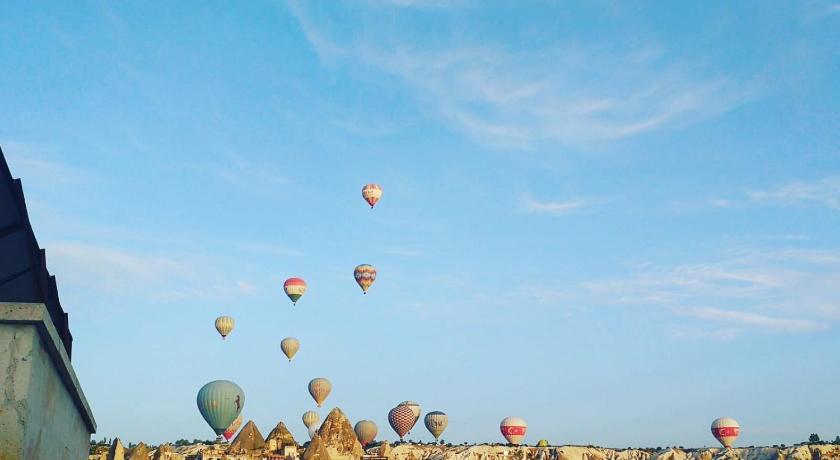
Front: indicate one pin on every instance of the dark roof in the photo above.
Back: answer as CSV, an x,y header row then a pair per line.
x,y
23,265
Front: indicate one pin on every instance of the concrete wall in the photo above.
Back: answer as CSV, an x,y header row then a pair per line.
x,y
43,412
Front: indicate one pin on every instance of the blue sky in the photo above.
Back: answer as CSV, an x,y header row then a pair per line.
x,y
618,221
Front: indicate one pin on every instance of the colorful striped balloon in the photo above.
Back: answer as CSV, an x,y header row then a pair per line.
x,y
401,419
365,275
233,428
294,288
726,431
372,193
513,429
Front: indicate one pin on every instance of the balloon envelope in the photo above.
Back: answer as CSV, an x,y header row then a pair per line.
x,y
726,431
224,324
319,388
401,419
513,429
294,288
365,275
366,431
415,408
310,418
220,402
436,422
372,193
290,347
233,428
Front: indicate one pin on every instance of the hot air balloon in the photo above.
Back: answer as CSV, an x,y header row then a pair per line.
x,y
233,428
436,422
366,431
513,429
290,346
220,402
726,431
371,193
401,419
224,324
294,287
365,275
542,443
310,418
320,388
312,432
415,408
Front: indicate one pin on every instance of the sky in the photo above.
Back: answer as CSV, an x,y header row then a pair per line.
x,y
617,220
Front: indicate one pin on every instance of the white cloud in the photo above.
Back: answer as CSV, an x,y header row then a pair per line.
x,y
422,3
565,93
824,192
552,207
112,270
757,320
403,252
33,164
787,290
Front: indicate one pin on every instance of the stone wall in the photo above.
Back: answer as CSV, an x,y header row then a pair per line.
x,y
43,412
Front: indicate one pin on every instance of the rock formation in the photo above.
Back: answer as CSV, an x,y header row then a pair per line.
x,y
165,452
248,439
316,450
407,451
140,452
338,436
117,451
384,450
280,437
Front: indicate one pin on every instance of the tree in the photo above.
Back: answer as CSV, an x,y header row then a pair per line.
x,y
837,440
814,438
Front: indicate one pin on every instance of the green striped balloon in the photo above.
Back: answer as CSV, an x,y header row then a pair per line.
x,y
220,402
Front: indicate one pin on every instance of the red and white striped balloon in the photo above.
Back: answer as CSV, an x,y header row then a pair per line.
x,y
401,419
726,431
513,429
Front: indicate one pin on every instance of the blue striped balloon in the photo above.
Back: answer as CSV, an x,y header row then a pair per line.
x,y
220,402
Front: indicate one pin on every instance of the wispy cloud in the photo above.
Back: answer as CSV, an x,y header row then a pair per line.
x,y
516,98
422,3
114,270
552,207
403,252
241,171
34,164
757,320
823,192
789,290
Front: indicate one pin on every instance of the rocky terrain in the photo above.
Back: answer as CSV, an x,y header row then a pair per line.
x,y
495,452
335,440
319,449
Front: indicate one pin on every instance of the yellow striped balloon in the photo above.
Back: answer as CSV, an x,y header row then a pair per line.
x,y
372,193
319,388
224,324
290,347
365,275
310,418
365,431
436,422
